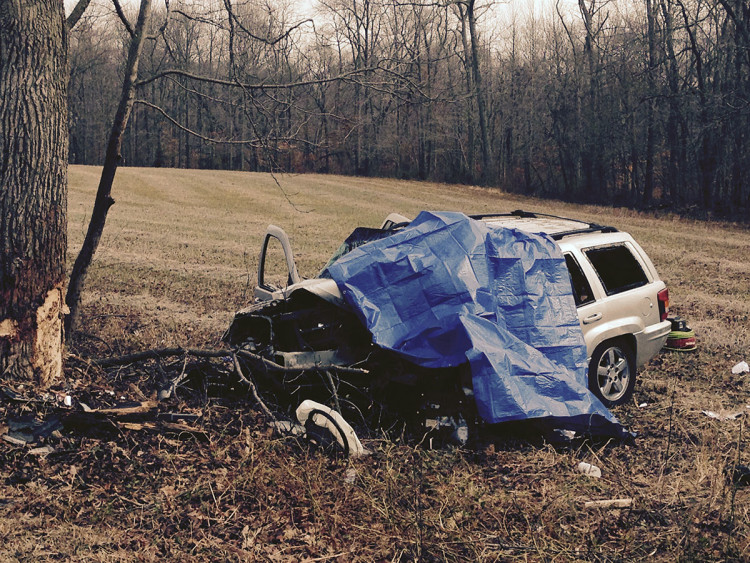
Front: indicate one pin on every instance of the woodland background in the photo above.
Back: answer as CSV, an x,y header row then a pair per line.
x,y
639,103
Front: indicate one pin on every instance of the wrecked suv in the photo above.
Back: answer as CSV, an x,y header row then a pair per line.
x,y
303,335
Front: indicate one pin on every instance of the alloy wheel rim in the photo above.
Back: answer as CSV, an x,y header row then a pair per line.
x,y
613,374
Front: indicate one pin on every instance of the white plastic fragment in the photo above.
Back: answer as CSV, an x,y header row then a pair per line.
x,y
350,476
741,367
642,405
590,470
566,434
306,409
717,416
287,427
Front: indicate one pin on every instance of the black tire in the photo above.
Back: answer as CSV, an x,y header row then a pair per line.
x,y
612,372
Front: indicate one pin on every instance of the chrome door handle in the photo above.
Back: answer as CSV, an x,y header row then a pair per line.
x,y
592,318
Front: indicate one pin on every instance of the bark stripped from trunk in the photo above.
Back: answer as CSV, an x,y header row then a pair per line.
x,y
33,187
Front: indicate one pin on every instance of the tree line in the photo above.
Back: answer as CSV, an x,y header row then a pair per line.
x,y
641,103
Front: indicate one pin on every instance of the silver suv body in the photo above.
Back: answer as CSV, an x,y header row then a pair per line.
x,y
622,303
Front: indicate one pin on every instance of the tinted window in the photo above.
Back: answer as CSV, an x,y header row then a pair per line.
x,y
581,288
618,269
360,236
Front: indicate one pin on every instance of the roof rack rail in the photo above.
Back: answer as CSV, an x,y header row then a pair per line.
x,y
521,214
592,228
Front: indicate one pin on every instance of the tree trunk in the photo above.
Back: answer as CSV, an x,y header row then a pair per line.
x,y
112,159
471,54
676,164
488,168
469,109
648,186
33,188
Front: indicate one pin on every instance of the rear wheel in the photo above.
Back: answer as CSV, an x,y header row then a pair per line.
x,y
612,372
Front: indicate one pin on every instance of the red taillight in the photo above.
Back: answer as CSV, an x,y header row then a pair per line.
x,y
663,297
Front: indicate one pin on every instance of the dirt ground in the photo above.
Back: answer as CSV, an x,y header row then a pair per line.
x,y
178,257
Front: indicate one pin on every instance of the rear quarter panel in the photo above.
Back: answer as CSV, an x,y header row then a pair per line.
x,y
632,313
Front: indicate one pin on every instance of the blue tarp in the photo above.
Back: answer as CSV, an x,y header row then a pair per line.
x,y
448,289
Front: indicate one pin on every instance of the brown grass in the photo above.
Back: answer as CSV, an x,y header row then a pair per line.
x,y
178,257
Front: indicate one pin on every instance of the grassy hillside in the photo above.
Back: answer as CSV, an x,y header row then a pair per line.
x,y
178,256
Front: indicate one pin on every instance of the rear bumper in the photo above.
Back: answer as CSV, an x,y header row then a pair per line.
x,y
651,340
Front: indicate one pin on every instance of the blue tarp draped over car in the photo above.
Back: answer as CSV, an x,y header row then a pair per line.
x,y
448,289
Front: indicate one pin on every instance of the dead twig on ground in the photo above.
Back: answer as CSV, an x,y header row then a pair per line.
x,y
158,353
167,391
249,382
611,503
334,391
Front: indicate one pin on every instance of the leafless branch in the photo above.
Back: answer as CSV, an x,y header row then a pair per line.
x,y
251,384
76,14
157,353
122,17
237,84
252,142
233,20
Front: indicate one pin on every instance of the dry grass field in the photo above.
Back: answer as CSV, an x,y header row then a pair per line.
x,y
178,256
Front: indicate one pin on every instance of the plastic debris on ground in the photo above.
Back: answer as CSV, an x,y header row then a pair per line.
x,y
447,289
741,367
322,422
681,337
350,476
287,427
590,470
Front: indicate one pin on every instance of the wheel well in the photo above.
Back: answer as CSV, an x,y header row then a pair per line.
x,y
627,339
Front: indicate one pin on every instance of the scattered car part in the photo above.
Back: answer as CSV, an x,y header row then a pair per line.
x,y
681,337
590,470
316,418
29,430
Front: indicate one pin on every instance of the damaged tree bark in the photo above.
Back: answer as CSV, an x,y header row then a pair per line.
x,y
33,188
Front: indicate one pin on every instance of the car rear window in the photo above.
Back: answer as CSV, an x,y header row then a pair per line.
x,y
617,268
581,288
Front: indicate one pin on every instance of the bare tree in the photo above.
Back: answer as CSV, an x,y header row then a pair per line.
x,y
112,159
467,11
